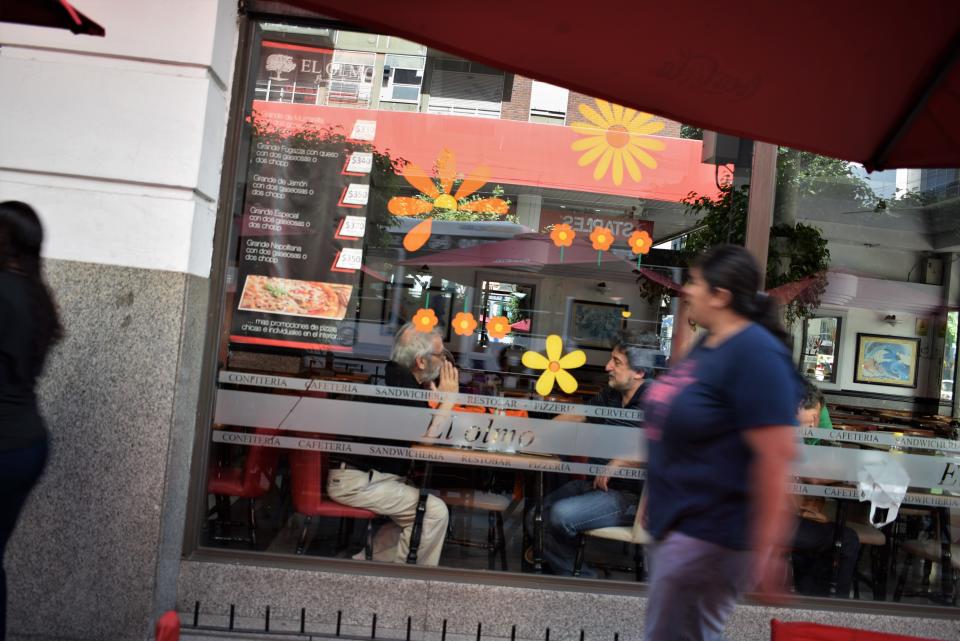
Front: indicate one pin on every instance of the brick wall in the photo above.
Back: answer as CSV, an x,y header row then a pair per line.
x,y
518,106
671,127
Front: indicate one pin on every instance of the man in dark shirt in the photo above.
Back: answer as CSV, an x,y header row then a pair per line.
x,y
602,501
417,361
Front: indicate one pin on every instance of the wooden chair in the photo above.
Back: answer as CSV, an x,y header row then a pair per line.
x,y
937,549
876,540
634,535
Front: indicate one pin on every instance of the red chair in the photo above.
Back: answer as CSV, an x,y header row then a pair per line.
x,y
780,631
308,478
249,482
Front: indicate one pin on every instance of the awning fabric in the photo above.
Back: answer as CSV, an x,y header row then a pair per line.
x,y
58,14
870,82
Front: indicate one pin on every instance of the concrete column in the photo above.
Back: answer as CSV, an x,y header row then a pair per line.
x,y
763,189
528,210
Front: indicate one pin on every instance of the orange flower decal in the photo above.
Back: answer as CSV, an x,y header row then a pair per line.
x,y
464,323
439,197
562,235
602,238
640,242
425,320
498,327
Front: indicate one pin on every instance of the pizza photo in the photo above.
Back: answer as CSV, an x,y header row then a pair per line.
x,y
274,295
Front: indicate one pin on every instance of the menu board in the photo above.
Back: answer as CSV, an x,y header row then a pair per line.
x,y
301,237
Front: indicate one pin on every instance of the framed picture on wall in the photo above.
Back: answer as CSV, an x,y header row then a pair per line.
x,y
594,325
887,360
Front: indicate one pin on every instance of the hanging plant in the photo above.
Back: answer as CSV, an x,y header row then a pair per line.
x,y
796,251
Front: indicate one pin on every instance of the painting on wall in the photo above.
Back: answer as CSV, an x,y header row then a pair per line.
x,y
594,325
887,360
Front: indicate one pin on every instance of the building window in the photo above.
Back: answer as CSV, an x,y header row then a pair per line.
x,y
548,103
820,351
351,78
402,78
460,88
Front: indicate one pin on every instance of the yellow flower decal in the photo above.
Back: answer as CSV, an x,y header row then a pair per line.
x,y
439,197
602,238
555,366
464,323
618,137
640,242
425,320
498,327
562,235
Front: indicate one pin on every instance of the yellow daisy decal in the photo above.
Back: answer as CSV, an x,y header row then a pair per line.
x,y
555,366
616,137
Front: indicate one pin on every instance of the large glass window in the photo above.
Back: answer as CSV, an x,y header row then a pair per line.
x,y
422,306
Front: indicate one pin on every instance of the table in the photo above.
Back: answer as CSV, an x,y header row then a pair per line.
x,y
479,456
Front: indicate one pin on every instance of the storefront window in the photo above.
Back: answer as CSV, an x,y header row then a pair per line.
x,y
425,290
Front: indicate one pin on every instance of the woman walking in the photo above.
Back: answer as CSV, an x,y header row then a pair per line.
x,y
28,327
721,438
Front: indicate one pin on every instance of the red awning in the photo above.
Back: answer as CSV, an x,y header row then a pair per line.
x,y
58,14
661,279
878,82
789,292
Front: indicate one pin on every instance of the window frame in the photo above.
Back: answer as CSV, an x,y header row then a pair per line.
x,y
230,199
837,347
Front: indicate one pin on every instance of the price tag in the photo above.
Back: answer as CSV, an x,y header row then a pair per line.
x,y
353,226
361,162
357,194
350,259
364,130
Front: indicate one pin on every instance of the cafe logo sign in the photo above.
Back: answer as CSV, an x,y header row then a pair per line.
x,y
950,476
480,432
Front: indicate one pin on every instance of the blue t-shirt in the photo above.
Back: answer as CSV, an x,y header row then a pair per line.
x,y
699,463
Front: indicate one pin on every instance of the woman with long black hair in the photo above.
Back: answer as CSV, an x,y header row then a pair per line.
x,y
29,325
721,440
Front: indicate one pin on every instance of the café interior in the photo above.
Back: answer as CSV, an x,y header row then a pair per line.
x,y
874,328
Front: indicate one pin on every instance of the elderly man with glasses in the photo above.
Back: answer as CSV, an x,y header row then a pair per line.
x,y
379,485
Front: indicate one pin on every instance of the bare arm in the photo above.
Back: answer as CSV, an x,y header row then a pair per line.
x,y
773,450
449,381
601,482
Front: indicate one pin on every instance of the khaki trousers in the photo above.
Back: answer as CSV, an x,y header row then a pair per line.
x,y
388,495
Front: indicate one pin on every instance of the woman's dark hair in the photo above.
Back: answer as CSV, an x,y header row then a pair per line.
x,y
734,269
21,236
812,396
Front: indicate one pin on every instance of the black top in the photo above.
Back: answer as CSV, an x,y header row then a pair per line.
x,y
395,376
20,422
609,397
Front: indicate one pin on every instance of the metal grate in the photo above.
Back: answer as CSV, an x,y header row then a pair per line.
x,y
337,634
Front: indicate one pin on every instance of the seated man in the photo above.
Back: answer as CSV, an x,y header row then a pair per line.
x,y
417,361
813,540
602,501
